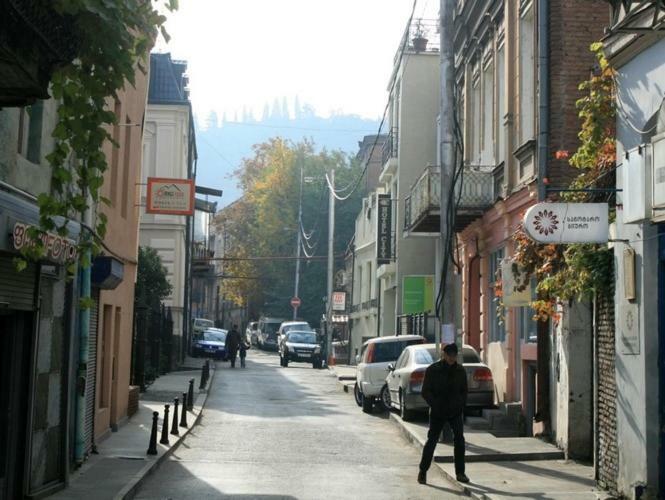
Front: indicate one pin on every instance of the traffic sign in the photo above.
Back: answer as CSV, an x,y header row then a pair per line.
x,y
295,302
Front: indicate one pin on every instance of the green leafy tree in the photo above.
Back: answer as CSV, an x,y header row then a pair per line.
x,y
152,286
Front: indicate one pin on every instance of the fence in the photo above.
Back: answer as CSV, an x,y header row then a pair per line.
x,y
153,344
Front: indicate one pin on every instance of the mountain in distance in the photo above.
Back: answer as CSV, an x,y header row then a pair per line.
x,y
222,144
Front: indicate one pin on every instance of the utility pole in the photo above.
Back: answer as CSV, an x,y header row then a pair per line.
x,y
447,145
298,250
331,263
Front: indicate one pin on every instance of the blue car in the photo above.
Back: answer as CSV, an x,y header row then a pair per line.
x,y
211,343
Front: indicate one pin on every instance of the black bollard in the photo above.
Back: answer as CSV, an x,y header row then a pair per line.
x,y
152,447
190,395
174,427
183,413
207,371
165,426
202,383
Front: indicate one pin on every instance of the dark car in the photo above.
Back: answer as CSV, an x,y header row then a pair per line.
x,y
300,346
212,343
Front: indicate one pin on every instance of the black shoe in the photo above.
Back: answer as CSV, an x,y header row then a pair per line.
x,y
462,478
422,477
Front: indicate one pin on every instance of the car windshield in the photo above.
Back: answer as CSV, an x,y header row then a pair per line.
x,y
297,326
203,322
470,356
271,328
425,356
219,336
302,337
390,351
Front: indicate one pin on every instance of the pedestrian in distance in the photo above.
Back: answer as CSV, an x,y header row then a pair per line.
x,y
233,341
445,391
242,351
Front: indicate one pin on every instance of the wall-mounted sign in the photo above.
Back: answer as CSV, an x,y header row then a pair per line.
x,y
58,249
384,232
417,294
339,301
568,222
170,196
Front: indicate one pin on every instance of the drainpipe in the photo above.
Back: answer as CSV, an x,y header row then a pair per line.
x,y
544,95
84,337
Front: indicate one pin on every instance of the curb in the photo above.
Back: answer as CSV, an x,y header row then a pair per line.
x,y
446,475
131,488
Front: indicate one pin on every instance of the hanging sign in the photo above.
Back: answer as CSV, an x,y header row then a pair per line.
x,y
339,301
511,296
568,222
170,196
384,232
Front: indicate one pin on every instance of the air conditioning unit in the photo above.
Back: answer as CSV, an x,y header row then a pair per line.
x,y
636,187
658,177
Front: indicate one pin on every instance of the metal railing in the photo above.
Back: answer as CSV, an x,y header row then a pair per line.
x,y
416,324
390,147
419,28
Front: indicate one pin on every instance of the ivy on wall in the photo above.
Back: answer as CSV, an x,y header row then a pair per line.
x,y
114,42
577,271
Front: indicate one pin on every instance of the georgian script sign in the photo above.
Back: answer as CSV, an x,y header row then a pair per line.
x,y
384,233
58,249
568,222
170,196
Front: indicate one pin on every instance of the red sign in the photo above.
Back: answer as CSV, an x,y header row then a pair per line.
x,y
295,302
170,196
58,249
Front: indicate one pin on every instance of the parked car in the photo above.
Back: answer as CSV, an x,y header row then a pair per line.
x,y
201,324
373,361
252,332
300,346
288,326
404,381
267,333
212,342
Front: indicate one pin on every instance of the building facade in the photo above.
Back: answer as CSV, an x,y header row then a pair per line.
x,y
169,151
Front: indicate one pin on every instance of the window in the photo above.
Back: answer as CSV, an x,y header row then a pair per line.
x,y
469,356
497,329
359,291
474,118
403,360
501,102
527,326
369,281
527,74
126,187
113,193
487,155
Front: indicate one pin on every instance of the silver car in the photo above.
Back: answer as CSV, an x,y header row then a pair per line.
x,y
404,382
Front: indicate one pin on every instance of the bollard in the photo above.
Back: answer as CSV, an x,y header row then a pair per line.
x,y
165,426
174,427
152,447
202,383
207,371
183,412
190,395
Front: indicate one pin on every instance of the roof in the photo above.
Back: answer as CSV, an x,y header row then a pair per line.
x,y
392,338
168,80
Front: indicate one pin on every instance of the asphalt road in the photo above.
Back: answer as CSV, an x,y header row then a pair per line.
x,y
290,433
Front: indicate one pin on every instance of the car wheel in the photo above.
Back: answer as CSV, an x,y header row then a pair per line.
x,y
368,404
358,395
404,412
384,398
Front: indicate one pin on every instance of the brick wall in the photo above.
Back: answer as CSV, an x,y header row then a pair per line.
x,y
607,453
574,26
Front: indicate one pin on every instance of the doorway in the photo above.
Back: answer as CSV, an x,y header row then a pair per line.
x,y
15,335
661,359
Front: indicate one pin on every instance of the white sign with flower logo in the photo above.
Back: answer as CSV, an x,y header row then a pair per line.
x,y
568,222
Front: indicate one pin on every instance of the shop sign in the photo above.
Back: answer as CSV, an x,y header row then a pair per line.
x,y
58,249
568,222
339,301
170,196
417,294
384,232
511,296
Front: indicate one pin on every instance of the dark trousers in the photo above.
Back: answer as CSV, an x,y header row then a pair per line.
x,y
436,424
232,357
243,355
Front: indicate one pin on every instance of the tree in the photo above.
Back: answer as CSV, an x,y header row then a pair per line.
x,y
152,285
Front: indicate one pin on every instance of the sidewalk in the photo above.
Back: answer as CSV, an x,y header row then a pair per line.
x,y
501,468
121,463
346,376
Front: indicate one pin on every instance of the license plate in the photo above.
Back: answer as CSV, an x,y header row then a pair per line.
x,y
211,349
304,354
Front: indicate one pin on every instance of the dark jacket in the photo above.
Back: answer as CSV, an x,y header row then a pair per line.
x,y
445,389
233,341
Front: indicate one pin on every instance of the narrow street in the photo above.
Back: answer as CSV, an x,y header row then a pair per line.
x,y
272,432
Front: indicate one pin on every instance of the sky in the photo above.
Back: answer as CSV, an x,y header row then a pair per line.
x,y
334,55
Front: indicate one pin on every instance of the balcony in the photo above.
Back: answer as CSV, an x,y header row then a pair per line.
x,y
389,153
422,209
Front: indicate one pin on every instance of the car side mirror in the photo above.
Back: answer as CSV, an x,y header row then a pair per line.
x,y
391,367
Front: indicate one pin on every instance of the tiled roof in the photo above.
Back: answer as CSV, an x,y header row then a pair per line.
x,y
167,80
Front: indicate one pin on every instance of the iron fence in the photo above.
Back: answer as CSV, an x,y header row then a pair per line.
x,y
153,344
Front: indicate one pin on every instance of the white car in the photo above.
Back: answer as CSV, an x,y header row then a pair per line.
x,y
290,326
373,361
199,325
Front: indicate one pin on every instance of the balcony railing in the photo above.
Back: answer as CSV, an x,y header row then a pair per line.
x,y
475,194
390,146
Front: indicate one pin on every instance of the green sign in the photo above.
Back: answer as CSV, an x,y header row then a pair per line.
x,y
417,294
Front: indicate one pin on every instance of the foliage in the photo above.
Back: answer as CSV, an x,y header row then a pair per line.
x,y
576,271
264,222
152,286
114,40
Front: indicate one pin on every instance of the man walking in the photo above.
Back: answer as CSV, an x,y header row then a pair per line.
x,y
232,344
445,390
